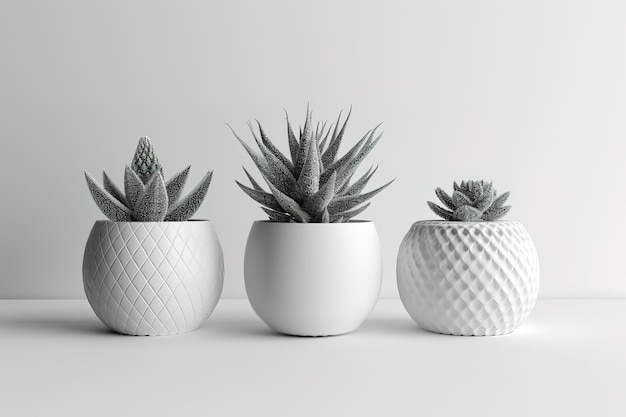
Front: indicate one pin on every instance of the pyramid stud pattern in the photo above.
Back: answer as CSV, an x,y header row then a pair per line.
x,y
153,278
468,278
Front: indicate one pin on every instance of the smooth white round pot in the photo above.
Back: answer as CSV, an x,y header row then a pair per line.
x,y
468,278
153,278
313,279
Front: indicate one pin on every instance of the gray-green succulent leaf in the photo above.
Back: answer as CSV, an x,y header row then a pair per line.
x,y
151,206
315,185
110,207
147,197
145,162
176,184
187,207
471,201
112,189
133,187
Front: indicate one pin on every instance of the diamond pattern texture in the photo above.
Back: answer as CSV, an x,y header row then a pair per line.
x,y
468,278
153,278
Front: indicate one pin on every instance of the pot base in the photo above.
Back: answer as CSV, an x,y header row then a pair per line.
x,y
469,334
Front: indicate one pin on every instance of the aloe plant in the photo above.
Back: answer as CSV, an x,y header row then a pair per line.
x,y
471,201
147,197
312,184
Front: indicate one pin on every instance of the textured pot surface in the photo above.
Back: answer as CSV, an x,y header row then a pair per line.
x,y
153,278
313,279
468,278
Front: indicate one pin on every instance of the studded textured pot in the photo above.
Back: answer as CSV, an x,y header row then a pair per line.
x,y
313,279
153,278
468,278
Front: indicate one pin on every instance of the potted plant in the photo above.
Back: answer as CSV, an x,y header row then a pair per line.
x,y
310,270
470,274
147,270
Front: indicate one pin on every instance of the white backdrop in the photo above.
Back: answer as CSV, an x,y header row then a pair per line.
x,y
531,95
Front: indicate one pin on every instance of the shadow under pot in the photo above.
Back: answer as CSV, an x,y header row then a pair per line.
x,y
313,279
153,278
468,278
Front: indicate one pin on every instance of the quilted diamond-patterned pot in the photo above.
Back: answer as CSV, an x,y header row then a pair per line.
x,y
153,278
468,278
313,279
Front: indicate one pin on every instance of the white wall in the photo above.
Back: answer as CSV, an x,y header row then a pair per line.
x,y
531,95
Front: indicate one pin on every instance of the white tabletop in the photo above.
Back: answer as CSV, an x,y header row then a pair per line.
x,y
568,359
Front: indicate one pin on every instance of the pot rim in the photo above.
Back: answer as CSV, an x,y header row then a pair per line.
x,y
295,224
454,223
186,221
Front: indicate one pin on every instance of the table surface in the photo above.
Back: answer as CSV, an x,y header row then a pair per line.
x,y
568,359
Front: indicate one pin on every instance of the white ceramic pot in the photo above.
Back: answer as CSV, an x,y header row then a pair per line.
x,y
153,278
313,279
468,278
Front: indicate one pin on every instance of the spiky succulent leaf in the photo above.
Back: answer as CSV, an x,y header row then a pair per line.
x,y
360,184
273,149
151,206
467,213
309,180
345,203
345,172
175,185
112,189
325,217
460,199
289,205
276,216
318,202
324,141
262,197
496,213
333,147
255,184
445,198
294,145
133,187
347,215
187,207
483,201
271,174
279,168
305,137
110,207
440,211
339,164
500,200
145,162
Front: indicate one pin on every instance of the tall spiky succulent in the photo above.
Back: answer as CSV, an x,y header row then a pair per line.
x,y
313,185
471,201
147,197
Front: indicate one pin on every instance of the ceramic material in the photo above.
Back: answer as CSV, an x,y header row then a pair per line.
x,y
153,278
468,278
314,279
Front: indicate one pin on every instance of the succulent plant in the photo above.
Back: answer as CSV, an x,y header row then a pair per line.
x,y
312,185
471,201
147,197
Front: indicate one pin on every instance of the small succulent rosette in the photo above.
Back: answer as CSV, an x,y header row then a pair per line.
x,y
147,197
